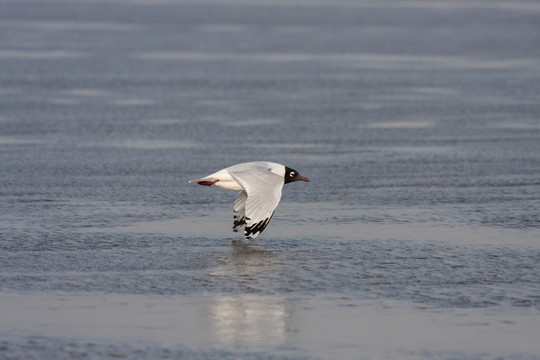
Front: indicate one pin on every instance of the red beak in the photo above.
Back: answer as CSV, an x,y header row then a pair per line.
x,y
304,179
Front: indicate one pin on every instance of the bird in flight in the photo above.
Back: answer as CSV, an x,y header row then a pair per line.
x,y
259,185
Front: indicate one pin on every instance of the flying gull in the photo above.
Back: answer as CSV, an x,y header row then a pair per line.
x,y
259,185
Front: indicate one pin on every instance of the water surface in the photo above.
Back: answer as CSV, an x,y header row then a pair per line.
x,y
416,122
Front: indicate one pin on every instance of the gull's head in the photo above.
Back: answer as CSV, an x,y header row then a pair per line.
x,y
293,175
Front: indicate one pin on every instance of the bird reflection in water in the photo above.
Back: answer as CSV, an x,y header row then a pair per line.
x,y
243,248
250,318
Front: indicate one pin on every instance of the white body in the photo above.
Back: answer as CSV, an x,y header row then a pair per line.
x,y
227,181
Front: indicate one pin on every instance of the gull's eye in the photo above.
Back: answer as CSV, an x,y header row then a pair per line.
x,y
292,173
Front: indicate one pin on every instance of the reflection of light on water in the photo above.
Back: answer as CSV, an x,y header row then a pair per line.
x,y
39,54
357,60
401,125
5,140
151,144
249,318
254,122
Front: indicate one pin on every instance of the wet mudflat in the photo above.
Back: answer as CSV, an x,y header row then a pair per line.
x,y
417,123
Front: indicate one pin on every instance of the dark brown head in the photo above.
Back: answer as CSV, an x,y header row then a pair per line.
x,y
293,175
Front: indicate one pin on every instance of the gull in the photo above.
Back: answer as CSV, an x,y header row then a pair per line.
x,y
259,185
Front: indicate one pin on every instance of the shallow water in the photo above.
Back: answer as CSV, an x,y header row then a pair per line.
x,y
417,124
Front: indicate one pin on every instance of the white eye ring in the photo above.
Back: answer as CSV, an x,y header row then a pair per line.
x,y
292,173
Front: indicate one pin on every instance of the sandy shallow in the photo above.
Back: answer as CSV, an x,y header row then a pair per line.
x,y
250,325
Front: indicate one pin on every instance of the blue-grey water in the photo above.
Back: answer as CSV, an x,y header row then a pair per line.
x,y
417,122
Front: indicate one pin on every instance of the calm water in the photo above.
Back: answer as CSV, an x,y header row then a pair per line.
x,y
417,123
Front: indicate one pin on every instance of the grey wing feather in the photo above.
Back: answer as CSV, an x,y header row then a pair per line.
x,y
263,190
240,211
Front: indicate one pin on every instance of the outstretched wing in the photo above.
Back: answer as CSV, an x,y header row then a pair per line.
x,y
263,192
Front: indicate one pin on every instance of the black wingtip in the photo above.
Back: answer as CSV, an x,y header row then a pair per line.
x,y
238,223
251,232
